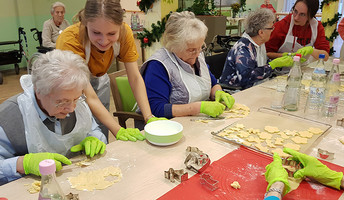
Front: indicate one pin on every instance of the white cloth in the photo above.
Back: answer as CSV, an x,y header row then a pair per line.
x,y
261,57
38,137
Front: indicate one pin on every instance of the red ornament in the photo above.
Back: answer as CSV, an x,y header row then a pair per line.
x,y
138,3
145,40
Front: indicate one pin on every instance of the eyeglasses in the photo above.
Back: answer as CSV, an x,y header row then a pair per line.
x,y
272,28
295,13
193,51
66,103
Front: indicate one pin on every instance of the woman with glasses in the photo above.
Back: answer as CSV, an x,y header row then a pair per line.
x,y
49,119
177,79
247,63
299,32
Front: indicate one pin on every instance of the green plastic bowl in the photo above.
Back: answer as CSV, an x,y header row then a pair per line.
x,y
163,132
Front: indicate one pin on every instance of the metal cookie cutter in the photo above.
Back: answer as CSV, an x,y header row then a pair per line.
x,y
340,122
291,166
178,175
196,161
325,154
208,181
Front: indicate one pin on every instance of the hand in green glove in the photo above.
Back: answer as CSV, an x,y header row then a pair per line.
x,y
305,50
302,60
285,61
31,161
289,54
152,119
212,108
313,168
131,134
275,172
224,96
91,145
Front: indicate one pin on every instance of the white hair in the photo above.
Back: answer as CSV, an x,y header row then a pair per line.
x,y
59,69
183,28
57,4
258,20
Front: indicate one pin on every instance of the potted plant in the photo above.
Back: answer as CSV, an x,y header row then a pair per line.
x,y
235,9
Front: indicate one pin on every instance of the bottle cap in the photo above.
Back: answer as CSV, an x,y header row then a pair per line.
x,y
47,167
321,56
296,58
336,61
298,54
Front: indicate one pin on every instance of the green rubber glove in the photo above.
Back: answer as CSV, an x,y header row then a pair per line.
x,y
152,119
31,161
305,50
289,54
212,108
224,96
131,134
313,168
91,145
275,172
302,60
284,61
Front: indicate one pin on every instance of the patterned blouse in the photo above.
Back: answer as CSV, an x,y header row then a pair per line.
x,y
241,68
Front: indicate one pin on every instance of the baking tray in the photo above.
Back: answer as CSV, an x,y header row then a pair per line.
x,y
284,121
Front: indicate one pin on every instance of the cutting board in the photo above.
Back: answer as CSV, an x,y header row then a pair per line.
x,y
247,167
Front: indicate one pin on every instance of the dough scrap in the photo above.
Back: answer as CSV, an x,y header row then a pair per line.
x,y
269,144
202,120
252,130
235,185
254,139
243,134
341,139
95,179
296,147
262,148
300,140
264,135
34,187
271,129
241,126
238,111
315,131
306,134
280,152
279,141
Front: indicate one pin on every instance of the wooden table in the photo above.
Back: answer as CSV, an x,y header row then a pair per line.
x,y
143,164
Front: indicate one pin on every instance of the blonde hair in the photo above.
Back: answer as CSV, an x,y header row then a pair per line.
x,y
183,28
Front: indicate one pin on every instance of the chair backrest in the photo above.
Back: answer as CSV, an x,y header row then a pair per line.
x,y
216,63
121,92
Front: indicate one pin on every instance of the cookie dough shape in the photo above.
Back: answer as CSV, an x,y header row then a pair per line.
x,y
279,141
296,147
243,134
241,126
280,152
235,185
305,134
264,135
300,140
269,144
96,179
315,131
254,139
246,143
262,148
34,187
271,129
252,130
290,133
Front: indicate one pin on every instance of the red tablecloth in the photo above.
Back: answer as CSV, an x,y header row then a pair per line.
x,y
247,167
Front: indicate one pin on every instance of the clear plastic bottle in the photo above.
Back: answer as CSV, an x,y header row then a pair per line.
x,y
316,94
50,189
330,105
292,92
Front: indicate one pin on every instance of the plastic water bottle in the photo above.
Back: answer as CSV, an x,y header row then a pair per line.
x,y
316,94
50,189
330,105
292,92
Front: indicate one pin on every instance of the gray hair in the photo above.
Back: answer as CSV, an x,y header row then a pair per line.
x,y
182,28
57,4
258,20
59,69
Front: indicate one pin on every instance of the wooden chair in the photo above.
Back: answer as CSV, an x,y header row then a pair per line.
x,y
123,98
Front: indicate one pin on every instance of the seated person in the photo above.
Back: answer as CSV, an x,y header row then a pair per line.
x,y
177,79
49,118
299,32
246,63
268,5
277,176
54,26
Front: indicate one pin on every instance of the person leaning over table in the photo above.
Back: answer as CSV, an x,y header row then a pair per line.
x,y
100,37
177,79
53,27
277,176
299,32
49,118
247,63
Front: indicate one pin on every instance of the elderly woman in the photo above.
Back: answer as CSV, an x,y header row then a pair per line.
x,y
246,63
299,32
177,79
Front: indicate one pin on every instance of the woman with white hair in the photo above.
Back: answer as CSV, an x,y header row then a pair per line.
x,y
177,79
53,27
247,62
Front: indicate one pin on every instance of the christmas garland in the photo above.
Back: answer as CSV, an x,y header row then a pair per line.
x,y
329,20
326,2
